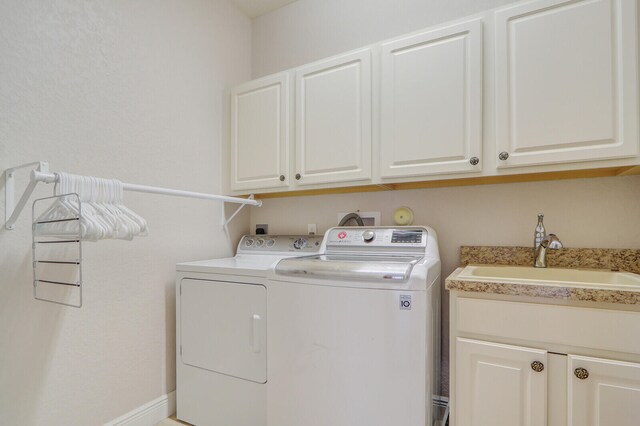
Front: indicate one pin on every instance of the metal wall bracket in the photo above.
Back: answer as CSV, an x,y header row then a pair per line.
x,y
250,197
11,209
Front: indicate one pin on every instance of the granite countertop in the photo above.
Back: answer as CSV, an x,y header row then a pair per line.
x,y
627,260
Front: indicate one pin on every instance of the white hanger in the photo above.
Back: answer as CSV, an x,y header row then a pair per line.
x,y
98,210
126,228
119,200
103,214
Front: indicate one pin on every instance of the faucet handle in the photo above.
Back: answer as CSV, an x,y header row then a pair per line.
x,y
552,241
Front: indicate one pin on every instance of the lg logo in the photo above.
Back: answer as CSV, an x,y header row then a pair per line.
x,y
405,302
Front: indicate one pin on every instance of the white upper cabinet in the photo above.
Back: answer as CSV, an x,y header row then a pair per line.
x,y
333,120
260,134
560,86
566,81
431,102
603,392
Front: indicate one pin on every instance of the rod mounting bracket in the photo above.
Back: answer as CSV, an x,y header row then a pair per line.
x,y
12,209
250,197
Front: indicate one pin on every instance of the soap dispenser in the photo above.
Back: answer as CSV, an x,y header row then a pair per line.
x,y
540,232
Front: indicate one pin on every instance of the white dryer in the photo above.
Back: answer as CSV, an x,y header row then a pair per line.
x,y
221,327
354,330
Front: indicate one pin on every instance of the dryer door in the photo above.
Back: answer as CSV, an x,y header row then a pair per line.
x,y
223,328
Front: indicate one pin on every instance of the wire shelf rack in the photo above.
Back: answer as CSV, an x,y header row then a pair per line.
x,y
57,250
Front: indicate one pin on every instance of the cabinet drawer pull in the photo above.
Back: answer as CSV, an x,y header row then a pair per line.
x,y
581,373
474,161
537,366
298,176
503,155
281,178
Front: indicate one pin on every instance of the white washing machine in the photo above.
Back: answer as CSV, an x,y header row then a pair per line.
x,y
221,331
354,330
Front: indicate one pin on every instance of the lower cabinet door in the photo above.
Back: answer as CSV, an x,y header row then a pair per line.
x,y
500,385
603,392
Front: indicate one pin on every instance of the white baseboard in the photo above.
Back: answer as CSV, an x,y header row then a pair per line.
x,y
148,414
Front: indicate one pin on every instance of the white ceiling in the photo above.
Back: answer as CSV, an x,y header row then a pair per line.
x,y
255,8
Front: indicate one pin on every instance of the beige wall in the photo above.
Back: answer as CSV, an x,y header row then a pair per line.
x,y
307,30
127,89
601,212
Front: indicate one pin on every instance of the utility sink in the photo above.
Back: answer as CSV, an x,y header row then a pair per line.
x,y
552,276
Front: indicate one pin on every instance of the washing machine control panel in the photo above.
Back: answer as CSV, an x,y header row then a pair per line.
x,y
377,237
280,243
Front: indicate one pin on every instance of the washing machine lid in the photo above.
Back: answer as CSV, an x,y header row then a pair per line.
x,y
350,267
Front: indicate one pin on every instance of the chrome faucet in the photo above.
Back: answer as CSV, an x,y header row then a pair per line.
x,y
550,242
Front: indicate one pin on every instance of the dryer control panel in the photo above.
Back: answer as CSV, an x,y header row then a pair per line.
x,y
304,244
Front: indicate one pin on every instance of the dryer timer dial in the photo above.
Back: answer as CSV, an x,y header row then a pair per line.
x,y
300,243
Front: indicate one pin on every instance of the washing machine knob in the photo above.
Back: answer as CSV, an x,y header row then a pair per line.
x,y
368,236
299,243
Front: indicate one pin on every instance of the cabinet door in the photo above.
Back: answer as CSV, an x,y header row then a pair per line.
x,y
610,395
333,120
497,386
566,81
431,102
260,133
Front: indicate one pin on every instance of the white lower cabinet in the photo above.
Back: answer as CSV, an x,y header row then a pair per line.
x,y
497,384
505,385
603,392
552,373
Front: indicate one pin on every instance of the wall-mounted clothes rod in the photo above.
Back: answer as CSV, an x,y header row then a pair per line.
x,y
52,178
41,173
